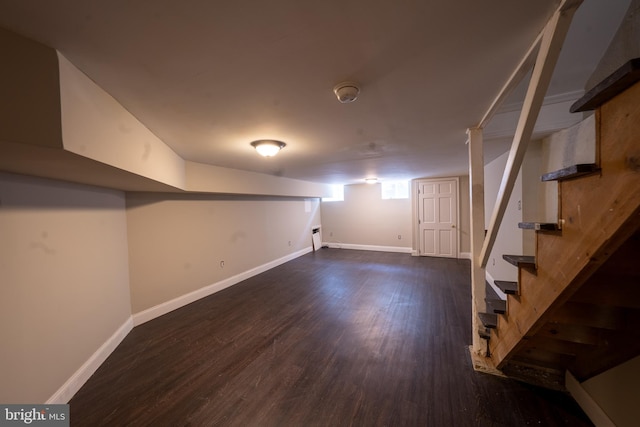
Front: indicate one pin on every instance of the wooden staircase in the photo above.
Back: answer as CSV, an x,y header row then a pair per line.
x,y
576,304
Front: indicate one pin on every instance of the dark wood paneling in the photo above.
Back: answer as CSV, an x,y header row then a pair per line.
x,y
333,338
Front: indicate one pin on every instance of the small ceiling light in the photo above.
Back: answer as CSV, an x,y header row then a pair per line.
x,y
371,180
346,92
268,147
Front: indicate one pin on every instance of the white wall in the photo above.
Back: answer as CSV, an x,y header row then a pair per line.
x,y
363,219
96,126
465,217
176,242
532,194
64,284
526,204
616,392
76,261
67,285
509,239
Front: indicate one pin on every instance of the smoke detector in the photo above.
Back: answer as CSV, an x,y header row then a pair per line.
x,y
346,92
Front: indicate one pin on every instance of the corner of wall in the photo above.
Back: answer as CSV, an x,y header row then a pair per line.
x,y
88,368
586,402
97,126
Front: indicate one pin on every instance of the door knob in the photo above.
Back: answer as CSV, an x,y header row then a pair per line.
x,y
453,226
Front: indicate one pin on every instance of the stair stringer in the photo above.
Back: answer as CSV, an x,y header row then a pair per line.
x,y
598,213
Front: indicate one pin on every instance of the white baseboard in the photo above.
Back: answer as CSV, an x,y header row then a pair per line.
x,y
404,250
77,380
80,377
586,402
181,301
464,255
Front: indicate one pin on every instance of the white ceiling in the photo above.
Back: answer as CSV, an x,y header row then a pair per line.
x,y
209,77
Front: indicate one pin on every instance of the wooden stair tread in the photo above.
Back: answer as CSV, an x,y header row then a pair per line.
x,y
520,260
538,226
484,334
509,288
591,321
611,86
496,305
489,320
573,171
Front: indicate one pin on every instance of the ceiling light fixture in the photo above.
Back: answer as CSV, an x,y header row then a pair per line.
x,y
371,180
346,92
268,147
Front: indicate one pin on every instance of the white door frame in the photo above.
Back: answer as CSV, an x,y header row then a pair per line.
x,y
415,214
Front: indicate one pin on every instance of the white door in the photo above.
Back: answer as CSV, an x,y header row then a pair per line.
x,y
438,217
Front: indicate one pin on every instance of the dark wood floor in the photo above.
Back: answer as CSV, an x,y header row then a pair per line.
x,y
333,338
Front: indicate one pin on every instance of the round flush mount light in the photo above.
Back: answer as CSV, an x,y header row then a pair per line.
x,y
371,180
346,92
268,147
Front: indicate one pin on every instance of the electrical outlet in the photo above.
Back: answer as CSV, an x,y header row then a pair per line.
x,y
221,264
289,242
493,261
399,236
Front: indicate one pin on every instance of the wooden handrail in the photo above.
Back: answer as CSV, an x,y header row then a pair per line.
x,y
551,40
526,63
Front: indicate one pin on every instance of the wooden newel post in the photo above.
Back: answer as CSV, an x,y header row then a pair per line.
x,y
476,186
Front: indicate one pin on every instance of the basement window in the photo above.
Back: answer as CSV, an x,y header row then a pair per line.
x,y
395,190
337,194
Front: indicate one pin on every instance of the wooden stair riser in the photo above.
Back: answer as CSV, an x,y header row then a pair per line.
x,y
599,211
488,320
508,287
521,261
496,305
